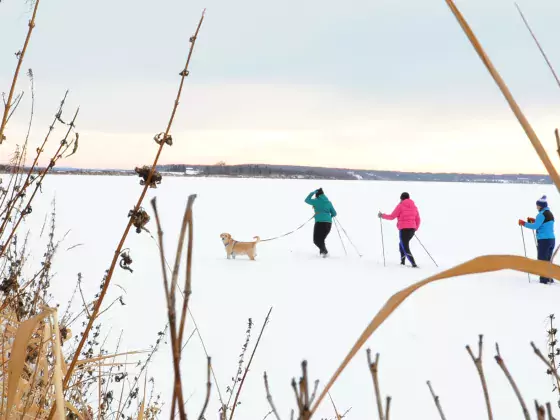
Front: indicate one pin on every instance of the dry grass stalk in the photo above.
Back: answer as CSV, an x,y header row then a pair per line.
x,y
374,370
137,207
551,368
249,365
511,381
549,411
64,145
478,363
436,401
549,64
301,390
170,291
8,105
6,210
269,397
541,413
507,94
208,389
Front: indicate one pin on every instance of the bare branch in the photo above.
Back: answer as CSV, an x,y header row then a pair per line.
x,y
436,400
478,363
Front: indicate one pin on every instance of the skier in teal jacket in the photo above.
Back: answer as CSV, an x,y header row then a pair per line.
x,y
324,212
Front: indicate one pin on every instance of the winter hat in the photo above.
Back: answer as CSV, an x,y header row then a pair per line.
x,y
319,192
405,196
542,202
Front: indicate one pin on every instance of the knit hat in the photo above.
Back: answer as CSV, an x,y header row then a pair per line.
x,y
405,196
319,192
542,202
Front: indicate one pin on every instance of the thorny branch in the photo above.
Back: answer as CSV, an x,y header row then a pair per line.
x,y
504,368
478,363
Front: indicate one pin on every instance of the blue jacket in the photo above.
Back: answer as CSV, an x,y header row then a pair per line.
x,y
544,225
324,210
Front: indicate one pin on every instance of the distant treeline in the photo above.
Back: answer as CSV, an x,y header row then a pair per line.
x,y
308,172
305,172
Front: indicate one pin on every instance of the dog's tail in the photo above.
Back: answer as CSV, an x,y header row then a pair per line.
x,y
257,239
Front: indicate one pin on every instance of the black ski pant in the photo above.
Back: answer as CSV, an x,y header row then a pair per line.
x,y
545,248
405,236
320,233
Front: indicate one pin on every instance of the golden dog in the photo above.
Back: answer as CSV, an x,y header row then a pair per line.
x,y
234,248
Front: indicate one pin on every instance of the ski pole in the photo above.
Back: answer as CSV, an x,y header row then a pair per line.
x,y
382,242
349,240
340,236
426,250
525,249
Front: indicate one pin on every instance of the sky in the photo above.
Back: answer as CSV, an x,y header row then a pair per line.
x,y
367,84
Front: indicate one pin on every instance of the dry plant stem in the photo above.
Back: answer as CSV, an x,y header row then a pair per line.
x,y
478,363
437,401
8,104
6,244
175,345
269,397
551,368
188,276
249,366
507,94
538,45
95,311
549,411
336,413
387,408
208,389
504,368
40,150
373,368
540,411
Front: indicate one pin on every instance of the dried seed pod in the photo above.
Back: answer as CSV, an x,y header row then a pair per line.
x,y
139,219
161,137
125,261
144,173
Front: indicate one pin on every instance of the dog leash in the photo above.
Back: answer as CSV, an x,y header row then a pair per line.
x,y
289,233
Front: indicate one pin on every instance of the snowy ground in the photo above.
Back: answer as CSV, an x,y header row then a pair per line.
x,y
321,306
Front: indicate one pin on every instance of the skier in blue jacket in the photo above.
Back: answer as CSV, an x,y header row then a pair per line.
x,y
544,225
324,212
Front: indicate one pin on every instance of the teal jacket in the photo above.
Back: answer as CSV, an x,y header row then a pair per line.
x,y
324,210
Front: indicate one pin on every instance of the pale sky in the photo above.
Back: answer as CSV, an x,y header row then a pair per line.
x,y
372,84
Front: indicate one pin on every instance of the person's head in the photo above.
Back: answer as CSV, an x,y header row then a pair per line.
x,y
319,192
542,203
405,196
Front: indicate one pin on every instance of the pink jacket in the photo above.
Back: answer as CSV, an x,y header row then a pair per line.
x,y
407,215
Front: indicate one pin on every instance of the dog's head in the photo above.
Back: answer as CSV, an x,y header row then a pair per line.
x,y
226,237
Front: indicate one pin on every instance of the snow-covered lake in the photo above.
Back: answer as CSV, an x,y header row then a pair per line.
x,y
320,306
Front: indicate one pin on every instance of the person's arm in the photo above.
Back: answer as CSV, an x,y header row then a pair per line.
x,y
418,220
309,200
393,215
538,222
333,211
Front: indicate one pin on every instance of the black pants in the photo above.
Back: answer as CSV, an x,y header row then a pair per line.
x,y
545,249
320,233
405,236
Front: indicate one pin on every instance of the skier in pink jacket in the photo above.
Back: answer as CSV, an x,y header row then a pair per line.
x,y
408,222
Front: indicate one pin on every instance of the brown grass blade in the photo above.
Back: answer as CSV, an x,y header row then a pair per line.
x,y
507,94
18,354
484,264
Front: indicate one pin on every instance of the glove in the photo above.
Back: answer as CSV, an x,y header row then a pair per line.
x,y
521,222
530,220
379,215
